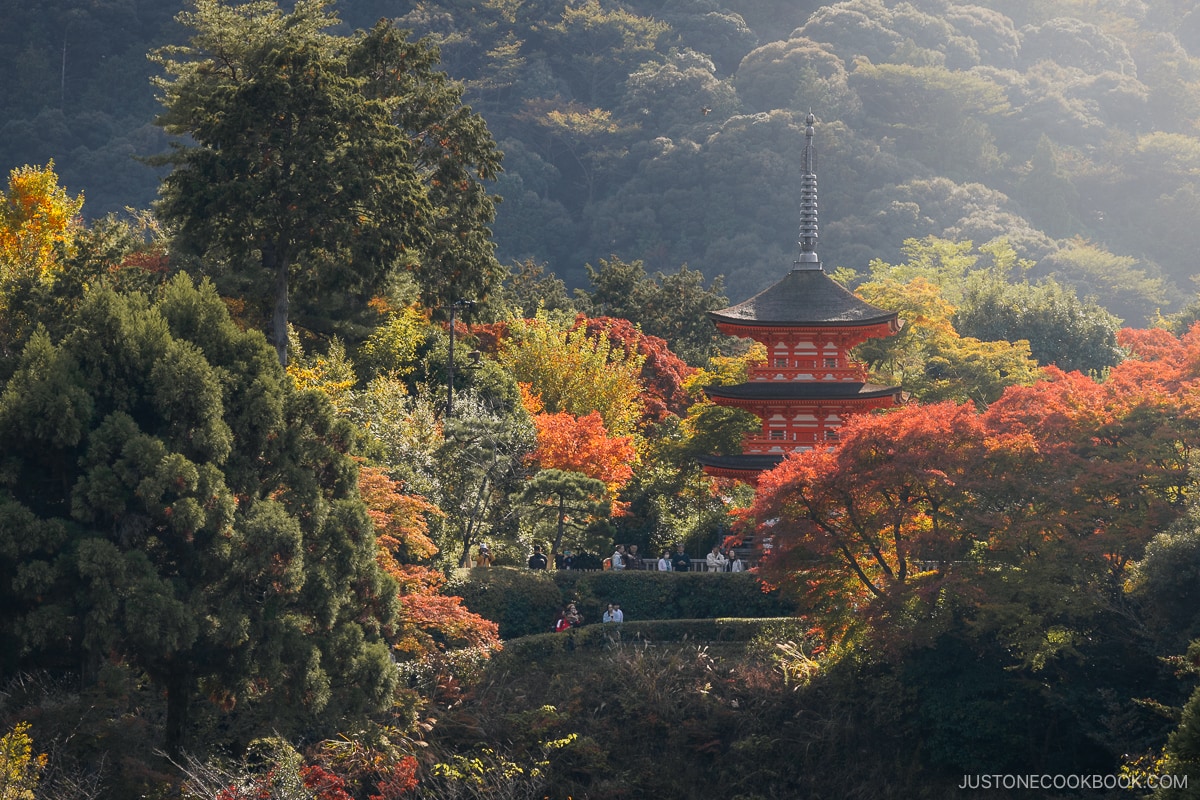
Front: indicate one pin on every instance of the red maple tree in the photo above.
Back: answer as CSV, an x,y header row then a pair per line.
x,y
430,622
1055,487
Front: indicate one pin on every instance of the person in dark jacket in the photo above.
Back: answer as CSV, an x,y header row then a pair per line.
x,y
680,562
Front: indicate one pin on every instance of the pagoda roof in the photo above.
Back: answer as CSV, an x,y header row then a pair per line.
x,y
742,463
805,296
801,390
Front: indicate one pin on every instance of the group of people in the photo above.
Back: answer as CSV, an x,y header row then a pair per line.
x,y
628,558
570,617
625,559
679,561
717,561
539,561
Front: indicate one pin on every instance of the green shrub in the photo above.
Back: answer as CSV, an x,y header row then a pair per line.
x,y
520,601
668,595
702,631
524,602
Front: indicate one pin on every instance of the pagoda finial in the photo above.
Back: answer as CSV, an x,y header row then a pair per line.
x,y
808,202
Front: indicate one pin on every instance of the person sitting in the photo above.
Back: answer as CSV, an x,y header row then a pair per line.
x,y
538,559
716,560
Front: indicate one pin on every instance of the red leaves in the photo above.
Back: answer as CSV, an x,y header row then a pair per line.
x,y
324,784
663,372
435,622
429,622
397,781
926,499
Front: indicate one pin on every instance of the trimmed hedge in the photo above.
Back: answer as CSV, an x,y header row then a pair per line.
x,y
525,602
520,601
591,637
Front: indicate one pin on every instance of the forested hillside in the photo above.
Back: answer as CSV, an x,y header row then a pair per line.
x,y
669,130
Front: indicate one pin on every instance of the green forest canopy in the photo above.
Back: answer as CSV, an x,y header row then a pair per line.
x,y
669,131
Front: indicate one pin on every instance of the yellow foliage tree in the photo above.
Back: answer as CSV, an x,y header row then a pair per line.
x,y
37,216
929,358
331,373
20,769
574,372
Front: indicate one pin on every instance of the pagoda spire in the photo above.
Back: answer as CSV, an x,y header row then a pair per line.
x,y
808,202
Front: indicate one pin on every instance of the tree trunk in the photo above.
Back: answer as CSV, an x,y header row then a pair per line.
x,y
179,696
273,263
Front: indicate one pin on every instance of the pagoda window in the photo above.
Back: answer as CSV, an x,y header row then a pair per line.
x,y
831,362
778,435
781,362
831,436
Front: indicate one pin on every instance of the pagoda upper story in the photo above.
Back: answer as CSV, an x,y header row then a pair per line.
x,y
808,323
809,384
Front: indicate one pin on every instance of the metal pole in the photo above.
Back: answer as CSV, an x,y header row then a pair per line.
x,y
450,366
455,305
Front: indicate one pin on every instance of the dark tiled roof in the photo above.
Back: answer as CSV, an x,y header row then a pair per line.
x,y
750,463
804,297
801,390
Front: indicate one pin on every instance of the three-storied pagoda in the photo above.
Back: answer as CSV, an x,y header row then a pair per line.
x,y
808,384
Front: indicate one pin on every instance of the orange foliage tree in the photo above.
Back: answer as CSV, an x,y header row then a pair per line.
x,y
430,623
582,444
570,451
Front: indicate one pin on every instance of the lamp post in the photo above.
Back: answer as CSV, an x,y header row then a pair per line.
x,y
454,307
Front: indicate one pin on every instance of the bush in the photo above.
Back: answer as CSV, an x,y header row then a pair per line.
x,y
647,595
520,601
592,637
524,602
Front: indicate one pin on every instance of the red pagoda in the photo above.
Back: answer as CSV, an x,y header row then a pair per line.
x,y
808,385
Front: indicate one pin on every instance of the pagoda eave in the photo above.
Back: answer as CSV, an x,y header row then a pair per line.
x,y
760,330
803,392
746,468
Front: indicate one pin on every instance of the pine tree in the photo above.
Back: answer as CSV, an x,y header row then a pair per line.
x,y
167,498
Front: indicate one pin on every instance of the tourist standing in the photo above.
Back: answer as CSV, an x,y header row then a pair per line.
x,y
716,560
680,562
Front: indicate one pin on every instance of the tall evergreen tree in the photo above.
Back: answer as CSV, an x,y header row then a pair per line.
x,y
321,164
167,499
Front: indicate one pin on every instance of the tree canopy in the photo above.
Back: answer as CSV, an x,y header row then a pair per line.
x,y
167,496
321,163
